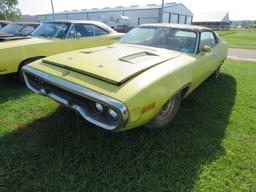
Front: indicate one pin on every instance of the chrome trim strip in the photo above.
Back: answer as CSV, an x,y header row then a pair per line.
x,y
120,108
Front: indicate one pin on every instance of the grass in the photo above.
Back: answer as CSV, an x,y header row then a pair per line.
x,y
210,146
240,38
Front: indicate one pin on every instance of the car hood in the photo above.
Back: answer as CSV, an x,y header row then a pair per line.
x,y
22,41
114,64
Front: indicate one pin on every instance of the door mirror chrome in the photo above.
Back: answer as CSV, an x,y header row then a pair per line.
x,y
206,49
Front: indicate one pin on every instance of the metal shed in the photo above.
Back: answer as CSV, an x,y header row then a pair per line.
x,y
215,20
151,13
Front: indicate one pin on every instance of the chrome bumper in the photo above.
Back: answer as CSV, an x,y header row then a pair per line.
x,y
67,93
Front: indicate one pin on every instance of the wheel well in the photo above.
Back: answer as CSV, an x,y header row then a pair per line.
x,y
184,90
28,60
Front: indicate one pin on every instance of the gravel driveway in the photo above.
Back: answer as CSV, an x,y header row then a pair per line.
x,y
242,54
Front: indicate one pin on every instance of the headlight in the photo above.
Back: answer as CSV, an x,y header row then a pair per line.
x,y
98,108
112,114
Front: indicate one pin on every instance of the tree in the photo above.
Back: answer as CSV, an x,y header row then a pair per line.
x,y
8,10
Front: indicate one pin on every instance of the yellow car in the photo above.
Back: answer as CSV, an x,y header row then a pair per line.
x,y
139,81
51,38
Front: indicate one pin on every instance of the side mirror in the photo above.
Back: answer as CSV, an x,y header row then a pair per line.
x,y
78,35
206,49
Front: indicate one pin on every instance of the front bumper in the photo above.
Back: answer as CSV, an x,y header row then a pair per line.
x,y
75,97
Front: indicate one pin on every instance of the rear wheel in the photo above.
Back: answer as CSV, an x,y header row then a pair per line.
x,y
166,114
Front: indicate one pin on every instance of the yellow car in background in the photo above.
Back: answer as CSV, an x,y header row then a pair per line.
x,y
51,38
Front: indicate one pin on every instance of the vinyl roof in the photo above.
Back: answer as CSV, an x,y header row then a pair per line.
x,y
98,23
27,23
178,26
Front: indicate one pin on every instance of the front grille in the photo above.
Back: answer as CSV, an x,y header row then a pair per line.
x,y
71,98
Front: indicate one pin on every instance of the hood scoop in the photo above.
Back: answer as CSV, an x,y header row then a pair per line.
x,y
96,50
138,57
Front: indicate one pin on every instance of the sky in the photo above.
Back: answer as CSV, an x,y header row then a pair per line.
x,y
238,9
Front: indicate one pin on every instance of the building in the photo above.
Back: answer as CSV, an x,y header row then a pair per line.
x,y
215,20
131,16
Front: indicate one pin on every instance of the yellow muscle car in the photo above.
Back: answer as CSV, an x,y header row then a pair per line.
x,y
140,80
51,38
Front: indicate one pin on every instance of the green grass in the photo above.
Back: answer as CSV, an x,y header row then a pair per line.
x,y
210,146
240,38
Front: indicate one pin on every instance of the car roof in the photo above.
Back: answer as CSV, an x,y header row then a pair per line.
x,y
27,23
98,23
3,21
194,28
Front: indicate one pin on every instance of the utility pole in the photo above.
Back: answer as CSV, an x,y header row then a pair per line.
x,y
162,12
53,14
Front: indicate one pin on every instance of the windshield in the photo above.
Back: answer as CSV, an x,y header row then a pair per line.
x,y
51,30
3,24
162,37
12,28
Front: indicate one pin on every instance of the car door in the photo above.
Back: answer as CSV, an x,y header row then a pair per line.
x,y
105,38
83,36
206,62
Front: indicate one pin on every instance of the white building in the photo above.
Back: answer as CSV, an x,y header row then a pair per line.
x,y
151,13
218,20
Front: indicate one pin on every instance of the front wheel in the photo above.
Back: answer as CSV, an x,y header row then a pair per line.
x,y
20,73
166,114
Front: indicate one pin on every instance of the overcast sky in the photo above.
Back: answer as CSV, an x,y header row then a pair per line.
x,y
238,9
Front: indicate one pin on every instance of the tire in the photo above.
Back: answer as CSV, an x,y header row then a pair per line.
x,y
166,114
20,73
216,74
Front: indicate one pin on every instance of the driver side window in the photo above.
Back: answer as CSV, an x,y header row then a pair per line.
x,y
89,30
207,39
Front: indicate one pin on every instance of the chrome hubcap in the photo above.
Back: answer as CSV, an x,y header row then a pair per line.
x,y
166,109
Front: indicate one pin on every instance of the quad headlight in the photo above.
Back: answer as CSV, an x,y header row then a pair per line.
x,y
112,114
104,111
99,108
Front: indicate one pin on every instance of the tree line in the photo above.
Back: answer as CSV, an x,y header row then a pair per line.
x,y
9,10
